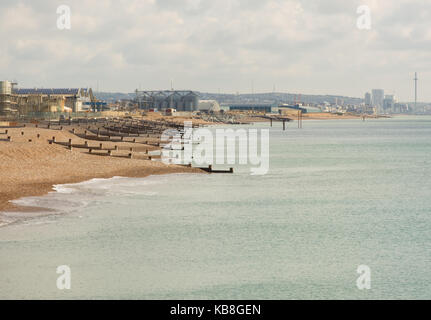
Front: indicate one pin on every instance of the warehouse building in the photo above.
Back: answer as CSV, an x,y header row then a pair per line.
x,y
169,99
24,101
53,100
209,106
286,109
6,102
258,107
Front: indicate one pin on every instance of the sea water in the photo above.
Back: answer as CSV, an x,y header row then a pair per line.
x,y
338,194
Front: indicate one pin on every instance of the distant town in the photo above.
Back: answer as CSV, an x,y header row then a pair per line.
x,y
16,102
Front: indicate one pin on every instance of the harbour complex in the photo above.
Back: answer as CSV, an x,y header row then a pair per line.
x,y
15,102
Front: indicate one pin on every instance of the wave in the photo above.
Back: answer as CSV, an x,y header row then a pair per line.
x,y
68,198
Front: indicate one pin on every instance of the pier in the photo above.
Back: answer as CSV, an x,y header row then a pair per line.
x,y
277,118
211,170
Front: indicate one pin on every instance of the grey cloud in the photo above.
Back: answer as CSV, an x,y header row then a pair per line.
x,y
310,46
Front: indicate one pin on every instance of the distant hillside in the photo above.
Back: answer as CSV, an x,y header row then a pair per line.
x,y
278,97
114,96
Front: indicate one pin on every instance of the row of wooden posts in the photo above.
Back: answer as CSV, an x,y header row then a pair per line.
x,y
70,146
8,139
284,122
287,120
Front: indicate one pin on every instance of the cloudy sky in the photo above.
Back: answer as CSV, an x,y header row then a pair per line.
x,y
307,46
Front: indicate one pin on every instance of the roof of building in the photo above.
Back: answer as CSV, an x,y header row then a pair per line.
x,y
211,105
245,106
166,93
59,91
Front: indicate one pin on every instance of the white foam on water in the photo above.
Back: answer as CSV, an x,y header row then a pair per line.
x,y
68,198
5,223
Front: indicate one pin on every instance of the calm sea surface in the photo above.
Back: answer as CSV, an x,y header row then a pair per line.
x,y
339,194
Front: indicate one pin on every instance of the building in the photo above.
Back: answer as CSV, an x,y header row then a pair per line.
x,y
209,106
389,104
168,99
368,99
24,101
259,107
6,102
53,100
401,108
286,109
378,96
368,104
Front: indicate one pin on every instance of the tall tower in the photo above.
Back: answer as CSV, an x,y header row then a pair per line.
x,y
416,89
378,95
367,99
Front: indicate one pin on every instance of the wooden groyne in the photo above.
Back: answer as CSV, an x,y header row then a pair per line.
x,y
211,170
114,137
277,119
137,139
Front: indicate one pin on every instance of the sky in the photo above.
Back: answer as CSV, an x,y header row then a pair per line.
x,y
295,46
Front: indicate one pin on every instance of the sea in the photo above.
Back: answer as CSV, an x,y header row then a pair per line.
x,y
340,197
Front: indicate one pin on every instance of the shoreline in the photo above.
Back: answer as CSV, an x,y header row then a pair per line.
x,y
43,188
33,212
31,166
313,116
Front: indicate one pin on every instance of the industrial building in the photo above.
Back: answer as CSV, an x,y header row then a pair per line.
x,y
209,106
24,101
260,107
271,108
367,99
286,109
389,104
6,101
185,100
378,96
53,100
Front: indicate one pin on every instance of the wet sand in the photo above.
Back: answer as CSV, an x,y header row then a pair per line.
x,y
32,168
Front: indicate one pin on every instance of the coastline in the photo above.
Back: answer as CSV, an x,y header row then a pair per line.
x,y
312,116
44,187
11,213
30,166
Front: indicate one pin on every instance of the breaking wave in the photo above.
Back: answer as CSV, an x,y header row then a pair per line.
x,y
69,198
